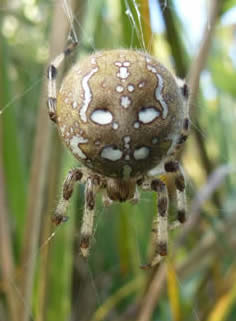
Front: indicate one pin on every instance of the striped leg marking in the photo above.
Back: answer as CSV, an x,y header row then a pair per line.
x,y
162,219
174,168
73,176
183,135
91,188
181,139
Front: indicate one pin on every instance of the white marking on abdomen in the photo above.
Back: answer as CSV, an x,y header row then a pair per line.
x,y
127,140
148,114
130,88
136,124
119,89
115,125
158,91
141,153
125,101
111,153
123,73
74,144
87,94
101,117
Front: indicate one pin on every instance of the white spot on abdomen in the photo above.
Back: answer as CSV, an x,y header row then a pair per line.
x,y
152,69
74,104
130,88
141,84
101,117
111,153
155,140
123,73
119,89
74,144
126,63
141,153
148,114
125,101
115,125
87,94
127,140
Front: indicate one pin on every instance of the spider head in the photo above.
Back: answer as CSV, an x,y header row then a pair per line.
x,y
121,190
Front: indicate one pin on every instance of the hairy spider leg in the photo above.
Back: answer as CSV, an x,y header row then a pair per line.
x,y
91,187
181,139
172,167
162,219
72,177
160,223
52,75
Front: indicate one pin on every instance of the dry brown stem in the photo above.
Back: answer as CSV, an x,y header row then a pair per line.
x,y
200,60
39,169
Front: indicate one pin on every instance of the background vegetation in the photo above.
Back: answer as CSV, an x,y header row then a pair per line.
x,y
42,276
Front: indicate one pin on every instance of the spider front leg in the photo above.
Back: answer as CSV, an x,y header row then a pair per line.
x,y
73,176
91,187
52,74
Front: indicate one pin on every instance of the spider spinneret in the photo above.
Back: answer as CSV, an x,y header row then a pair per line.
x,y
124,116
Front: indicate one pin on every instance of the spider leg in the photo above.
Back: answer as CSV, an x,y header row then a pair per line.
x,y
160,223
91,187
173,167
136,197
184,133
52,75
72,177
105,199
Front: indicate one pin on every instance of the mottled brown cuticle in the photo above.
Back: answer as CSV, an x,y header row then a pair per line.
x,y
186,124
172,166
162,206
162,248
185,91
182,139
90,201
158,186
181,216
78,175
67,192
180,184
140,181
84,242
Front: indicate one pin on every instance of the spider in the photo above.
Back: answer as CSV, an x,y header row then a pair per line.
x,y
124,117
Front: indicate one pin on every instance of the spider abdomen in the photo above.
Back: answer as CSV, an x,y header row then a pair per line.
x,y
119,112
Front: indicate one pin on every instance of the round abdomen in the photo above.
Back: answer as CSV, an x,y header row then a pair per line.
x,y
119,111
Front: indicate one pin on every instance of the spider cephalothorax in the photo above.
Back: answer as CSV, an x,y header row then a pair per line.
x,y
123,115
